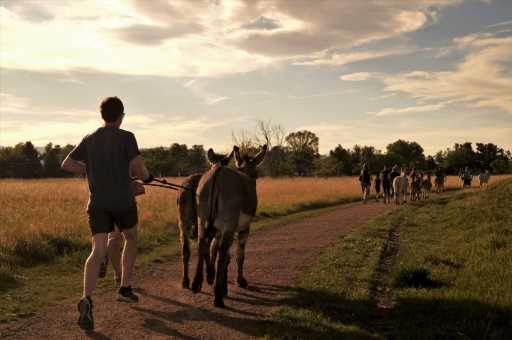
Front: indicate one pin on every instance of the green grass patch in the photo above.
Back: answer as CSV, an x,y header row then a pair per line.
x,y
452,277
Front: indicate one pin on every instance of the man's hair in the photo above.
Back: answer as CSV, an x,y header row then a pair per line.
x,y
111,109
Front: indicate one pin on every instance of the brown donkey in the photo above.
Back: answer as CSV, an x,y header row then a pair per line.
x,y
227,203
187,211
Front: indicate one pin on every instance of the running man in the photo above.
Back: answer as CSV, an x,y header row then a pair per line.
x,y
366,182
110,157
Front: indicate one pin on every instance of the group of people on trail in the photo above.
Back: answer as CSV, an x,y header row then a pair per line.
x,y
383,180
111,159
394,182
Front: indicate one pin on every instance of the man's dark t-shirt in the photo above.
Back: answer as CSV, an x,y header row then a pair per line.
x,y
107,153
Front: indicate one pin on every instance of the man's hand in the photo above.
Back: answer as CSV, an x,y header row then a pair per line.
x,y
149,179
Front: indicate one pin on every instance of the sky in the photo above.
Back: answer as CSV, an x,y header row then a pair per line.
x,y
196,71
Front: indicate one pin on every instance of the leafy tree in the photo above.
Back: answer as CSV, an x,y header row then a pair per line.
x,y
157,161
7,165
303,146
461,156
500,166
430,163
52,158
327,166
26,161
343,159
487,153
409,153
196,159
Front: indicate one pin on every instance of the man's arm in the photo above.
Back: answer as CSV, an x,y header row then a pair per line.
x,y
138,169
71,165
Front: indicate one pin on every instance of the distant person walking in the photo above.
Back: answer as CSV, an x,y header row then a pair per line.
x,y
386,184
467,177
110,157
439,180
366,182
376,186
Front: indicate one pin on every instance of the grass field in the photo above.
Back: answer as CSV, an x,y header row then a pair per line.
x,y
39,214
451,278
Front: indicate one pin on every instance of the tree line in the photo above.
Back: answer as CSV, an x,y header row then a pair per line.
x,y
292,154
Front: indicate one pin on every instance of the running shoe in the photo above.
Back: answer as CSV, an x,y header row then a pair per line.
x,y
85,320
103,267
126,295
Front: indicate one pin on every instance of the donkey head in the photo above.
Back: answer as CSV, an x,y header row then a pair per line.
x,y
248,164
215,158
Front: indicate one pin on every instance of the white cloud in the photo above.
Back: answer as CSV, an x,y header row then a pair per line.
x,y
482,79
351,57
199,89
359,76
412,109
197,38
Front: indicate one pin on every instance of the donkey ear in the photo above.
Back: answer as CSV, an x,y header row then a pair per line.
x,y
238,158
211,156
258,159
226,159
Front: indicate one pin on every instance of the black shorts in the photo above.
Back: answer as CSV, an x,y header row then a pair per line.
x,y
105,221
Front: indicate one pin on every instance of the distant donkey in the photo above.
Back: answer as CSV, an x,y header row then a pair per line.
x,y
484,178
227,202
187,211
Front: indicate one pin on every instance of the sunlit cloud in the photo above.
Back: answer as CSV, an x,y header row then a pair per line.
x,y
412,109
359,76
481,79
195,38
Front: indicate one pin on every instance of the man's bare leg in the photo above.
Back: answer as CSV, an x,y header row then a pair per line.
x,y
128,261
114,253
91,271
129,255
93,262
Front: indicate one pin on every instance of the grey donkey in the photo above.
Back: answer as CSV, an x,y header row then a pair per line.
x,y
227,203
187,211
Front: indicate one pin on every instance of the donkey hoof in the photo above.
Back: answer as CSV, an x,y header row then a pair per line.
x,y
196,286
210,276
242,283
185,283
219,303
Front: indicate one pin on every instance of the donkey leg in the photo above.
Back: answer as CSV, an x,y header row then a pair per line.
x,y
221,279
202,255
214,248
185,253
240,257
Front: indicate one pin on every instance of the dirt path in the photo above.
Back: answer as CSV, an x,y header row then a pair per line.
x,y
275,257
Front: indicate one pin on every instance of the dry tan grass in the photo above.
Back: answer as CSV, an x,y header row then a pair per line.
x,y
29,208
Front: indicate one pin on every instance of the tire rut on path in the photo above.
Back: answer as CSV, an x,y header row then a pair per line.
x,y
275,257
